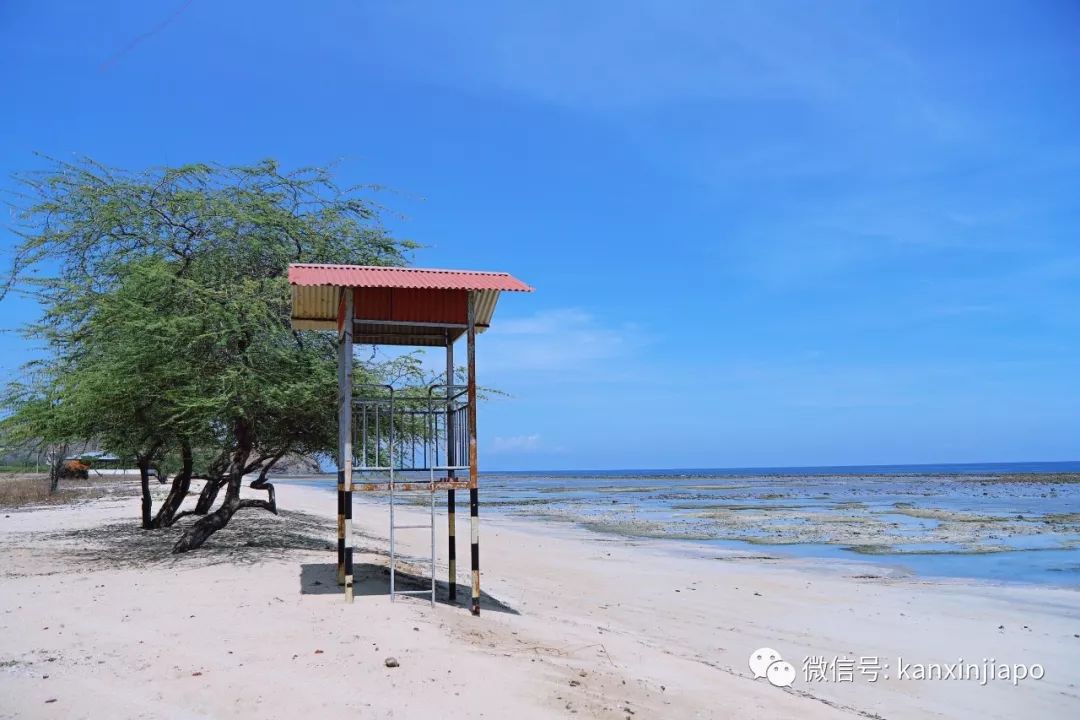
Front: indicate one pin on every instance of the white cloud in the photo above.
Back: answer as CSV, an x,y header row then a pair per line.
x,y
569,341
515,444
614,58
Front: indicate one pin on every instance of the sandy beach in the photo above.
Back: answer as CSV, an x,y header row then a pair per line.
x,y
97,620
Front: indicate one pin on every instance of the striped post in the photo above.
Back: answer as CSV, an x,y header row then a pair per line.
x,y
340,459
451,460
451,516
345,452
474,473
340,524
474,526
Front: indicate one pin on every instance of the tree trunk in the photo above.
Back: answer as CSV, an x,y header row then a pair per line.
x,y
166,514
200,532
56,467
143,461
216,478
261,483
209,494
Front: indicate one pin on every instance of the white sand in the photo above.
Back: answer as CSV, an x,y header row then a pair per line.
x,y
602,627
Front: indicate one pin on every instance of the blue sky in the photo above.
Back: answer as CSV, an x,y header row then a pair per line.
x,y
785,233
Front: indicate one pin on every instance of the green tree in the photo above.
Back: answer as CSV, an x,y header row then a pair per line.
x,y
166,317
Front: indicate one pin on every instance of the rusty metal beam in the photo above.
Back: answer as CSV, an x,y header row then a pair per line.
x,y
411,487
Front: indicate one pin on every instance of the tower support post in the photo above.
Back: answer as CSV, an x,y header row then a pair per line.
x,y
345,439
451,460
474,473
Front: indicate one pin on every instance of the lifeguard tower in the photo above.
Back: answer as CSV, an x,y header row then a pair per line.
x,y
399,442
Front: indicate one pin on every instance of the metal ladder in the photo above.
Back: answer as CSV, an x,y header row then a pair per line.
x,y
394,492
426,424
437,408
375,418
398,463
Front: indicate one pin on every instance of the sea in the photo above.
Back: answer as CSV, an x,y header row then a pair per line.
x,y
995,522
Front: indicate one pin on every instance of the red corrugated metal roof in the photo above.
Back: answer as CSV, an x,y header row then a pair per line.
x,y
358,276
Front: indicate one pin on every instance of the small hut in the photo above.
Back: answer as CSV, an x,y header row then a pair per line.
x,y
387,440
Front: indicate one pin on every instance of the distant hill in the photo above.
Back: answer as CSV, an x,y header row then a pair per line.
x,y
296,465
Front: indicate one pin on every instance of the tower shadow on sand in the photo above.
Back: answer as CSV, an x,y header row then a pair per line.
x,y
374,579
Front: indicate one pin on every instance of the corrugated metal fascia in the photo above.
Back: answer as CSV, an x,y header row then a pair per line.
x,y
300,324
485,307
315,308
314,303
411,305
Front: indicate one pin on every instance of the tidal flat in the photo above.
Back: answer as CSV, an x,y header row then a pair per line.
x,y
992,526
989,525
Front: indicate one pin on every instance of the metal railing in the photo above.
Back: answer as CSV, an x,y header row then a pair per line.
x,y
409,433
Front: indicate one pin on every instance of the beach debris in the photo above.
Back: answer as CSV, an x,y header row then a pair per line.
x,y
575,683
197,673
391,662
50,700
318,652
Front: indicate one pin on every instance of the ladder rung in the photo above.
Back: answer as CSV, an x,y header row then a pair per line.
x,y
412,527
412,592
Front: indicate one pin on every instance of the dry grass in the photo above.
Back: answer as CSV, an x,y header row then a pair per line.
x,y
19,490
